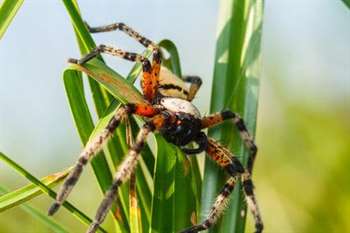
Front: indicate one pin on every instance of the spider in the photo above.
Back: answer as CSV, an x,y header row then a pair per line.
x,y
169,111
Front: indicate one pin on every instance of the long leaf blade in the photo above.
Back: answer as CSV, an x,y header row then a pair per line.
x,y
8,10
49,222
237,70
30,191
20,170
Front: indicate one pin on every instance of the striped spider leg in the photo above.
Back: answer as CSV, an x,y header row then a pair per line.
x,y
226,160
168,84
126,169
95,145
149,81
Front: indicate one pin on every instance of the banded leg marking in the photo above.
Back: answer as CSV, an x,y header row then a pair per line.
x,y
149,81
126,29
217,209
218,118
248,188
91,148
149,84
125,170
232,165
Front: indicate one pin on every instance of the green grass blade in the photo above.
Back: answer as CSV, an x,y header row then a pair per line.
x,y
73,210
8,10
163,203
85,125
49,222
235,87
186,170
347,3
101,72
83,120
113,82
30,191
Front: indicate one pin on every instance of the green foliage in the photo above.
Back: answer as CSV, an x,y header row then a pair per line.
x,y
168,183
8,10
347,3
235,87
44,189
35,213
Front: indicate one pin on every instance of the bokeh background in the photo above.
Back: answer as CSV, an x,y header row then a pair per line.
x,y
303,167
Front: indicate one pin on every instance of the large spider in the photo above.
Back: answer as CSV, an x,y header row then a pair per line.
x,y
170,112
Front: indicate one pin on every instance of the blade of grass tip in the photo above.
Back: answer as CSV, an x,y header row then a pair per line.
x,y
30,191
236,69
49,222
73,210
186,171
8,10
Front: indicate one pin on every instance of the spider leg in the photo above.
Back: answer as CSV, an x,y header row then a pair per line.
x,y
195,82
126,29
202,142
232,165
150,75
217,118
125,170
141,39
94,146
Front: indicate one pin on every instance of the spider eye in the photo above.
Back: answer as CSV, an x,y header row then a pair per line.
x,y
178,122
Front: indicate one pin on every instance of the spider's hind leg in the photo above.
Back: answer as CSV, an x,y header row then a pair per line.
x,y
232,165
218,118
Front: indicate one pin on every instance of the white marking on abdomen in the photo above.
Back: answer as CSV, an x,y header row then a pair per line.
x,y
180,105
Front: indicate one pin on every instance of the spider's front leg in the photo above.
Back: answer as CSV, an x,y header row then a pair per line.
x,y
150,78
126,168
224,158
94,146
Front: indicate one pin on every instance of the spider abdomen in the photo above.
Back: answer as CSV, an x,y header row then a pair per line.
x,y
178,105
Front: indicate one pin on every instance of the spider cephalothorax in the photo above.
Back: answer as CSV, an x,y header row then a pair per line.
x,y
167,109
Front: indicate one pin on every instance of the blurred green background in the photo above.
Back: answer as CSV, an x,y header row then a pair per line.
x,y
302,176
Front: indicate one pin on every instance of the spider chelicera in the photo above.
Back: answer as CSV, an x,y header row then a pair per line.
x,y
169,111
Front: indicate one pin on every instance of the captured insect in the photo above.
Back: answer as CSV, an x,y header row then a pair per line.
x,y
167,110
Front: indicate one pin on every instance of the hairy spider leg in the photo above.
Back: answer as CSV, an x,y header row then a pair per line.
x,y
248,187
218,118
156,60
195,82
149,81
94,146
126,169
226,160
